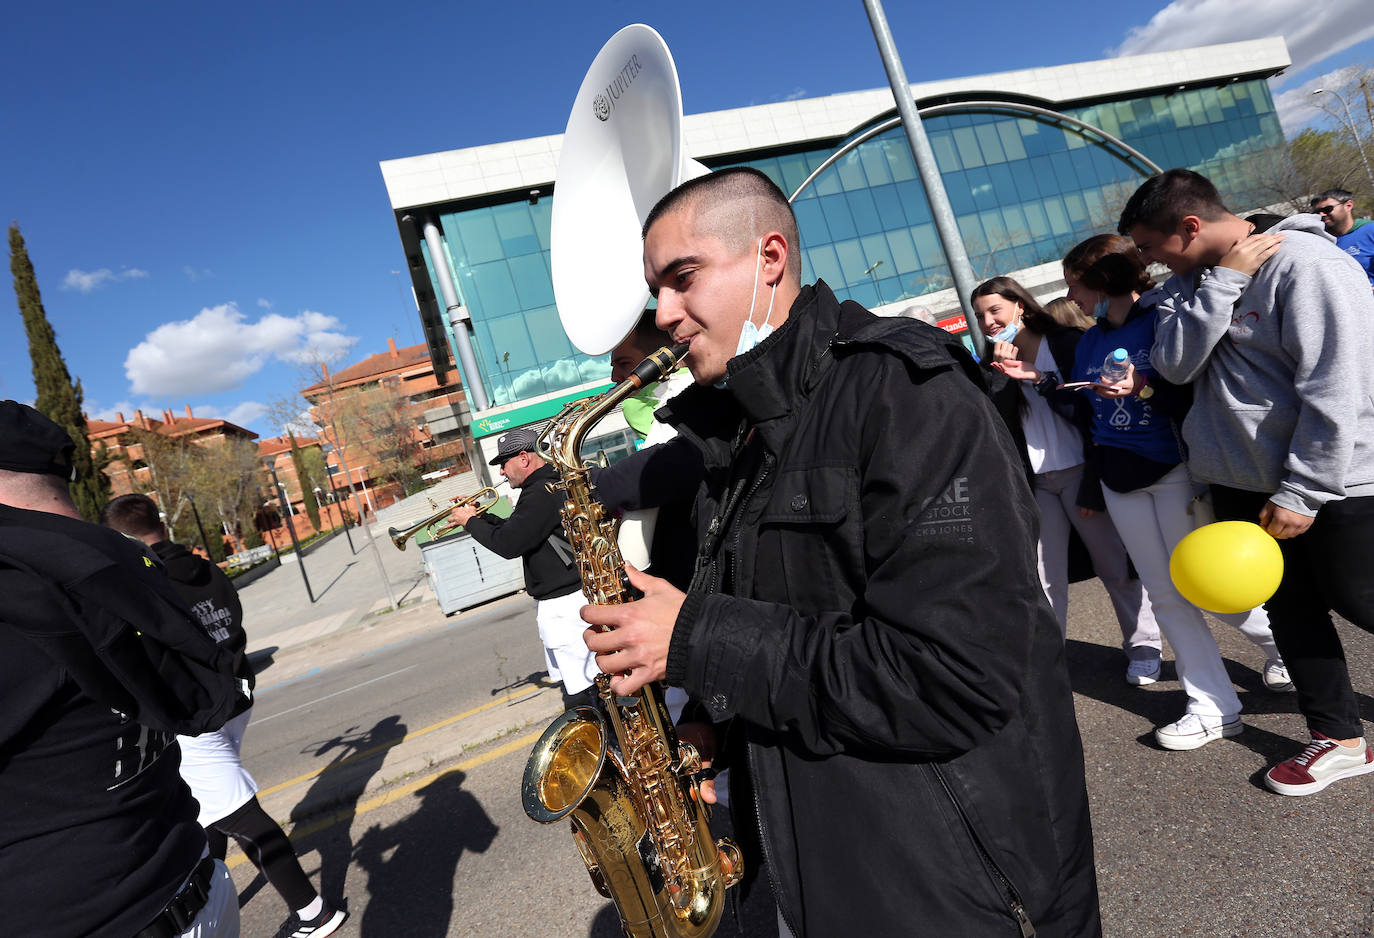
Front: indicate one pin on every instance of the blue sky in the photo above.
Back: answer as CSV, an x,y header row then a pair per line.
x,y
204,177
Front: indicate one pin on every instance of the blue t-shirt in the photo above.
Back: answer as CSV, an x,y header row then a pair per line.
x,y
1126,422
1359,244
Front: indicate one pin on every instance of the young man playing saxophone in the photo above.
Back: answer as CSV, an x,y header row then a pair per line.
x,y
865,627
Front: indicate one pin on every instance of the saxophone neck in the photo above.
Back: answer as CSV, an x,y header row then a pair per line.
x,y
570,429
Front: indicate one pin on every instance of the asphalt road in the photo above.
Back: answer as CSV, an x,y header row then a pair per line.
x,y
1188,844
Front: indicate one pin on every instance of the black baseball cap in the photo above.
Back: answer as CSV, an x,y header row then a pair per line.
x,y
524,440
30,442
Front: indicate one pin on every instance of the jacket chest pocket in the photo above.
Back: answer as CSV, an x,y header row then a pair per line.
x,y
810,551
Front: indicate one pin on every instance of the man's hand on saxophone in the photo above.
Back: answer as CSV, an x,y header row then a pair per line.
x,y
640,633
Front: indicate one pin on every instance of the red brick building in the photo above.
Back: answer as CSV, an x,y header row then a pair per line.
x,y
128,470
435,414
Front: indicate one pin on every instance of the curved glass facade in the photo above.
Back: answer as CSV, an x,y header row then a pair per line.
x,y
1024,191
499,259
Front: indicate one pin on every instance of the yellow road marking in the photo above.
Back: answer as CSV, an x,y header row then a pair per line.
x,y
396,742
400,792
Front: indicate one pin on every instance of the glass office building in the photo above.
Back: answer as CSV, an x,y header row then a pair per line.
x,y
1024,189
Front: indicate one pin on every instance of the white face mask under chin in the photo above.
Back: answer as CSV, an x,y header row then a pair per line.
x,y
751,335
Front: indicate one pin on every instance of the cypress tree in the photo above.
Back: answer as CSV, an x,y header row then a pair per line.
x,y
59,398
312,510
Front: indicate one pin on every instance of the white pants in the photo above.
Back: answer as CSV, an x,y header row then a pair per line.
x,y
1151,522
1056,495
220,917
560,629
211,766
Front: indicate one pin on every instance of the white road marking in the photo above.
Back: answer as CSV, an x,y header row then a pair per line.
x,y
258,721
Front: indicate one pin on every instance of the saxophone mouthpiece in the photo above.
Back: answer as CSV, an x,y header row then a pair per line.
x,y
659,365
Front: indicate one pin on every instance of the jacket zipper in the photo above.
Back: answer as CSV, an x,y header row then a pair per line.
x,y
763,839
766,464
1009,893
749,752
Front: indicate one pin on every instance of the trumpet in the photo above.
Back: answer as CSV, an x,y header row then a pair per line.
x,y
482,499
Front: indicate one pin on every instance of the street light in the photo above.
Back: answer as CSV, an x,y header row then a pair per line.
x,y
290,527
1350,124
870,272
200,527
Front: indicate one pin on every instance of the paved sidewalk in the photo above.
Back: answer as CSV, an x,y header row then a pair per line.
x,y
347,590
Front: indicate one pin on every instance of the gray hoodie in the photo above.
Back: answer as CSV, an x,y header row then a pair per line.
x,y
1283,370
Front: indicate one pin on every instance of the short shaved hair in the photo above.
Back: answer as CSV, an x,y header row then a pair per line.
x,y
134,514
737,206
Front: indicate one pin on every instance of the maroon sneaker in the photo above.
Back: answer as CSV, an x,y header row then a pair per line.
x,y
1321,762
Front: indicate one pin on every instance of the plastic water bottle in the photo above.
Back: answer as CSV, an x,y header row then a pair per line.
x,y
1114,366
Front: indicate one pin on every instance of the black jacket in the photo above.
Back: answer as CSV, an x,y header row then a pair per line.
x,y
663,476
867,618
526,533
101,664
214,600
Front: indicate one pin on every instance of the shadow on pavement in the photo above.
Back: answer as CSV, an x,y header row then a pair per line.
x,y
337,577
411,865
533,679
1096,671
334,797
260,659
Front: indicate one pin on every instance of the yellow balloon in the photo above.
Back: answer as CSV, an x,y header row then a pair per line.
x,y
1228,566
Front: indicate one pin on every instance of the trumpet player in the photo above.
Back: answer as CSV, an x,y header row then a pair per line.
x,y
865,626
534,533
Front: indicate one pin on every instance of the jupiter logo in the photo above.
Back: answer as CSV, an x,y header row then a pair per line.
x,y
604,103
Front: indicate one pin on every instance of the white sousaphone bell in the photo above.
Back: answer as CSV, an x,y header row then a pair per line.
x,y
622,152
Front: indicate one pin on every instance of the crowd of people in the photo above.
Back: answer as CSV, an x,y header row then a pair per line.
x,y
871,628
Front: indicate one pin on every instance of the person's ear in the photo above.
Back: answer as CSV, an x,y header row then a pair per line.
x,y
1189,226
775,251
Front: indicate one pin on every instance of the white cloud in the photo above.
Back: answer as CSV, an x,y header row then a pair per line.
x,y
1297,109
220,348
84,281
241,414
196,274
265,304
1313,31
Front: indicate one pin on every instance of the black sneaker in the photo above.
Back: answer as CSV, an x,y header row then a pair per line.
x,y
326,923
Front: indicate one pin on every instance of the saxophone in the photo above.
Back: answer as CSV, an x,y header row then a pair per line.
x,y
619,772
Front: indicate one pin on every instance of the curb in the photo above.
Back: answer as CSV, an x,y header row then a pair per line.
x,y
327,795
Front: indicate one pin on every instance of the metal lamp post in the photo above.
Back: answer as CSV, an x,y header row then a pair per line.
x,y
290,528
200,527
1350,125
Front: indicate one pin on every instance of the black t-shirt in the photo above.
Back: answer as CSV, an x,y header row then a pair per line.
x,y
97,829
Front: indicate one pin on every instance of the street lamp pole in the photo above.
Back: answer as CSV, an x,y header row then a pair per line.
x,y
1350,125
200,527
290,527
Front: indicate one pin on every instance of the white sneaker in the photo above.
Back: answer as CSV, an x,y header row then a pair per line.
x,y
1194,732
1321,762
1142,671
1276,676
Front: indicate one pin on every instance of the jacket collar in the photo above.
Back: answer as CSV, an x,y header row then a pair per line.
x,y
765,384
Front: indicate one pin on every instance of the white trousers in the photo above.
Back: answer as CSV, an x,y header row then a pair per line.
x,y
1151,522
1056,495
560,629
220,917
211,766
